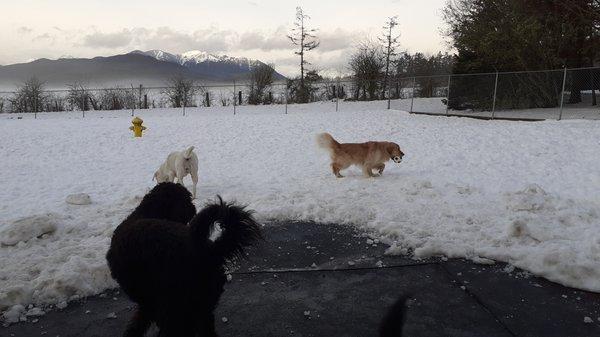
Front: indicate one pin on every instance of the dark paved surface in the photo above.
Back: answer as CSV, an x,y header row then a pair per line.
x,y
273,293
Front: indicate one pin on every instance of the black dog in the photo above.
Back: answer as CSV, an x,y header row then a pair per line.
x,y
170,268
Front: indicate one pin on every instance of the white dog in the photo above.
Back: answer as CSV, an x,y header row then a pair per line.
x,y
179,165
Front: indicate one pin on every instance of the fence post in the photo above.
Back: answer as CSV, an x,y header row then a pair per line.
x,y
495,95
140,97
389,92
337,96
207,100
448,94
412,98
593,87
562,94
83,105
234,100
286,99
184,101
240,97
132,101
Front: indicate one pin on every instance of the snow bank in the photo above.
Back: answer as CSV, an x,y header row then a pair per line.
x,y
524,193
27,228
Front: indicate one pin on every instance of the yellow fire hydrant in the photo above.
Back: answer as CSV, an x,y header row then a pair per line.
x,y
137,127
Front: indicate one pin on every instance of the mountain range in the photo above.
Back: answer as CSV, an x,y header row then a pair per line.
x,y
151,68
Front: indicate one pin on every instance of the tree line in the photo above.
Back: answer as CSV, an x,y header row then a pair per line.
x,y
519,35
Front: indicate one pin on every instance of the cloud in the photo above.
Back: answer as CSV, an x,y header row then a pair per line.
x,y
24,30
267,42
212,40
339,39
336,40
108,40
44,36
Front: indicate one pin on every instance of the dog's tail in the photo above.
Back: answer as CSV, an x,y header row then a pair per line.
x,y
238,228
393,322
326,141
187,154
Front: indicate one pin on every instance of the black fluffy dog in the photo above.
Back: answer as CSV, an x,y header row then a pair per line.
x,y
163,259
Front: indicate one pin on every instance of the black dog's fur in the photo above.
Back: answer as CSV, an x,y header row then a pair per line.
x,y
170,268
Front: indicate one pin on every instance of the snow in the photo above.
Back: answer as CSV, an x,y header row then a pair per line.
x,y
522,193
79,199
13,315
197,56
28,228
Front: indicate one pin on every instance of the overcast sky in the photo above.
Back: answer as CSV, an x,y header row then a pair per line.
x,y
33,29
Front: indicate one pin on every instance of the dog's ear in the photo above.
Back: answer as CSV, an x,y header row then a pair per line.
x,y
389,148
399,149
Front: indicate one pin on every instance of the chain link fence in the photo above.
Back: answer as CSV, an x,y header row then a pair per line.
x,y
534,95
235,97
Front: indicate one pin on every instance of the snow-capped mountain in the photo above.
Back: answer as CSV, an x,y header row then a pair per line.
x,y
195,57
159,55
154,67
208,64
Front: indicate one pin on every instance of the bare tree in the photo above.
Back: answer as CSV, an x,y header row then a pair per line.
x,y
80,97
390,41
261,78
180,91
225,100
367,65
29,97
116,99
306,40
54,102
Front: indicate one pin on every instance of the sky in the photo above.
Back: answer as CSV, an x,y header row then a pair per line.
x,y
33,29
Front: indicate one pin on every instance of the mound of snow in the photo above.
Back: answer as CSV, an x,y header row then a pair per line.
x,y
27,228
79,199
13,314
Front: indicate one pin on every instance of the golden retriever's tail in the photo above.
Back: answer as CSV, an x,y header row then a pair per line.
x,y
326,141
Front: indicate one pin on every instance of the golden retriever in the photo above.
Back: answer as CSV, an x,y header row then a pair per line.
x,y
369,156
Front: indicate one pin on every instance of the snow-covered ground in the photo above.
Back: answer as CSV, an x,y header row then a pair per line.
x,y
524,193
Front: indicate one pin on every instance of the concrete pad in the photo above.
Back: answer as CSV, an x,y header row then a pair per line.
x,y
350,303
98,316
529,305
292,245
